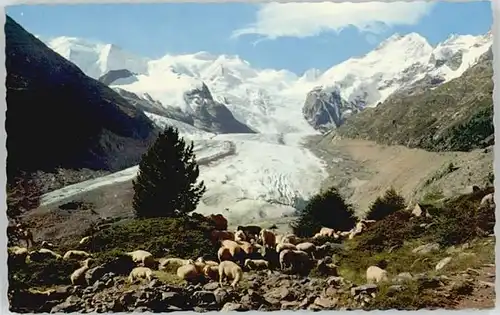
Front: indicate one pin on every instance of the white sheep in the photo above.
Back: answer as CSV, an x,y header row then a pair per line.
x,y
142,257
290,239
256,264
76,254
42,254
78,276
375,274
165,263
85,240
47,245
140,273
188,272
282,246
207,262
230,270
19,253
307,247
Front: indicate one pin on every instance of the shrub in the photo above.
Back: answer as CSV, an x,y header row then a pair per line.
x,y
47,272
23,194
183,237
389,232
166,183
462,220
327,209
386,205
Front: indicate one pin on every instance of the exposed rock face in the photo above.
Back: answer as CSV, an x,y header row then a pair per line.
x,y
62,117
124,75
325,109
211,115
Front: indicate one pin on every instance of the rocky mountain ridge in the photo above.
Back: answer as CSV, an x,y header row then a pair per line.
x,y
278,101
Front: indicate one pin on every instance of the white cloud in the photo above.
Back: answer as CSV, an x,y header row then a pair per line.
x,y
309,19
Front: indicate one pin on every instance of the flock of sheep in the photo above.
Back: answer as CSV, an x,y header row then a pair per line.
x,y
249,248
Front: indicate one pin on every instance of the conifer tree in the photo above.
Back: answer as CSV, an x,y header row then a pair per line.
x,y
383,206
326,209
166,184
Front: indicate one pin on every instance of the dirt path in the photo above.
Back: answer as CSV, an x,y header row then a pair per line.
x,y
363,170
483,295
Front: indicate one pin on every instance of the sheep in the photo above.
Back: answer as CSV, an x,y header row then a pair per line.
x,y
224,254
142,257
211,272
488,201
283,246
164,263
47,245
18,254
141,273
293,258
42,254
375,274
247,247
230,270
84,241
76,254
268,238
78,276
217,236
256,264
251,231
290,239
188,272
240,236
327,267
207,262
307,247
327,231
219,221
234,248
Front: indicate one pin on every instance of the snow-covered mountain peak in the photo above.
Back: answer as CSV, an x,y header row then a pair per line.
x,y
96,59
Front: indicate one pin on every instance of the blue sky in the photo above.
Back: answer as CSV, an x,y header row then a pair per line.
x,y
296,37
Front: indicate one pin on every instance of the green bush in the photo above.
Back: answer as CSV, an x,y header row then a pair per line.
x,y
389,232
48,272
166,183
187,237
383,206
327,209
462,220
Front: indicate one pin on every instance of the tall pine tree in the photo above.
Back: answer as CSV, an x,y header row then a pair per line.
x,y
166,182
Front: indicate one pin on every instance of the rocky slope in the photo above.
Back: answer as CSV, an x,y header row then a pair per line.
x,y
62,117
455,116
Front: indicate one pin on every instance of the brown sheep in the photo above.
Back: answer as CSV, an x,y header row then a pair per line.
x,y
268,238
230,270
234,248
219,220
224,254
217,236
